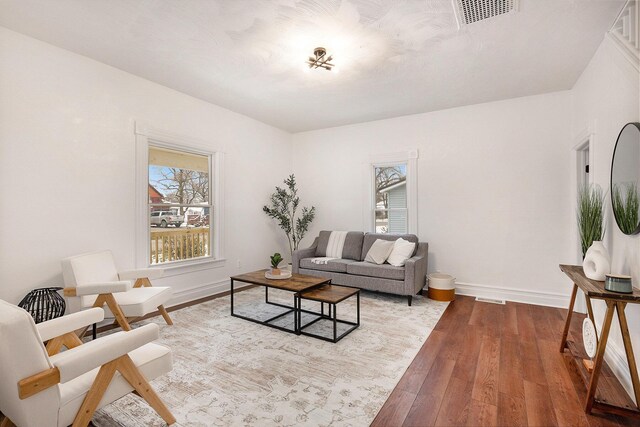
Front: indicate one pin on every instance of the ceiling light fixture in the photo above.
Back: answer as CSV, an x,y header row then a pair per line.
x,y
320,59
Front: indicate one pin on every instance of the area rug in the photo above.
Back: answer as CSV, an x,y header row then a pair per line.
x,y
231,372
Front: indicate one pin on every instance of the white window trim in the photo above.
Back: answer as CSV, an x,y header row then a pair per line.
x,y
145,136
389,159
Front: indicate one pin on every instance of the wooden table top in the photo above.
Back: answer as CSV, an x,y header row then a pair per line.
x,y
329,293
296,283
595,289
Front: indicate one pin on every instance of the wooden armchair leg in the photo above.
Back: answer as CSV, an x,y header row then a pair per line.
x,y
7,423
115,309
142,282
95,393
69,340
165,315
131,373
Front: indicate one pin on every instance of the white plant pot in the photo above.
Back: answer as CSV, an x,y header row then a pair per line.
x,y
597,262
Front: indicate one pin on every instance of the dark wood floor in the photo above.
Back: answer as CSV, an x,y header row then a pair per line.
x,y
489,364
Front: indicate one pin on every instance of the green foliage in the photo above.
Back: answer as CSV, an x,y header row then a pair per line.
x,y
590,215
275,260
625,206
283,208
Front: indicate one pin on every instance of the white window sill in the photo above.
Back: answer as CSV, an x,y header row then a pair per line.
x,y
177,268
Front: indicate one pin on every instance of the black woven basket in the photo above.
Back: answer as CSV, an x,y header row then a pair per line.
x,y
44,304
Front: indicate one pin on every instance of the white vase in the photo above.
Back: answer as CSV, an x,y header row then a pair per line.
x,y
596,262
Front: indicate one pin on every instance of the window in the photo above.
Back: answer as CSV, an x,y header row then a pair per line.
x,y
179,202
179,205
393,193
390,209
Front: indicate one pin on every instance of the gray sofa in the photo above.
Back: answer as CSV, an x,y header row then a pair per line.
x,y
351,270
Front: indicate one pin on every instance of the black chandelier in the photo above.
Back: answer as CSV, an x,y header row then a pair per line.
x,y
320,59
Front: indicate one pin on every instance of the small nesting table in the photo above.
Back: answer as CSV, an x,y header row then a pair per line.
x,y
330,295
295,284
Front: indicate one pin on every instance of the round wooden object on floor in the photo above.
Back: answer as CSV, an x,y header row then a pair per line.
x,y
442,287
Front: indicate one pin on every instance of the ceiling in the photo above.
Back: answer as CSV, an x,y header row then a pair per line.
x,y
394,57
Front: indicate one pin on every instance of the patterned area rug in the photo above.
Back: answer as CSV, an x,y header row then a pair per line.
x,y
231,372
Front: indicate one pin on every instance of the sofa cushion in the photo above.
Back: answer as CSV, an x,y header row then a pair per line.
x,y
369,238
379,251
402,251
384,271
352,245
336,265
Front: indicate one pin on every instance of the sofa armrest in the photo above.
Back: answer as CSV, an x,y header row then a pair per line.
x,y
416,270
302,253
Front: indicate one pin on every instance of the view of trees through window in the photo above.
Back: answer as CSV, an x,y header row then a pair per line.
x,y
180,207
390,210
180,186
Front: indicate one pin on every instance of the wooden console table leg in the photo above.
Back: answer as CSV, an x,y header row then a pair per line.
x,y
567,323
590,313
602,345
631,359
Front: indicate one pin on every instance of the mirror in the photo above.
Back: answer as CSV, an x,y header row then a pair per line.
x,y
625,179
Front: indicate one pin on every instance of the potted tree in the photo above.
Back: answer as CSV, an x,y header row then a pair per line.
x,y
283,208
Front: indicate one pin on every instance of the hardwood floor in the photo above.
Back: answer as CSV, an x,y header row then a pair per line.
x,y
488,364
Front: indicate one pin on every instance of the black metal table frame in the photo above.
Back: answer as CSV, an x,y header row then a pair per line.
x,y
328,316
296,309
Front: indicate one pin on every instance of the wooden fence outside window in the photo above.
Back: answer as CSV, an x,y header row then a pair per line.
x,y
178,244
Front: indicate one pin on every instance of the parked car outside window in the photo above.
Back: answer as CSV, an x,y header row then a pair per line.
x,y
164,218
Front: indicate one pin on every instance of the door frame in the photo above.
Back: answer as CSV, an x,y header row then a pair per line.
x,y
583,142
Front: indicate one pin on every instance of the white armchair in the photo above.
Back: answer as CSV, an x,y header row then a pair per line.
x,y
67,388
92,280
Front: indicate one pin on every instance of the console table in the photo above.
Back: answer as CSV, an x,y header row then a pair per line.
x,y
615,302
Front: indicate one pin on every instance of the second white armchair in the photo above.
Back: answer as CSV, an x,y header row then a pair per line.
x,y
92,280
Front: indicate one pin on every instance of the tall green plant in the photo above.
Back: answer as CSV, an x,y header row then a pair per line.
x,y
590,215
625,206
283,208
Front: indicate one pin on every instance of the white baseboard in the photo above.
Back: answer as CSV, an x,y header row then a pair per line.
x,y
200,291
516,295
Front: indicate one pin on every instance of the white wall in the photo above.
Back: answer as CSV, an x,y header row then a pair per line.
x,y
492,187
68,173
605,98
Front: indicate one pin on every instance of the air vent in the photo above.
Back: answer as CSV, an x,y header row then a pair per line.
x,y
490,300
470,11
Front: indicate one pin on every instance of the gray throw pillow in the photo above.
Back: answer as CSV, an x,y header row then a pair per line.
x,y
379,252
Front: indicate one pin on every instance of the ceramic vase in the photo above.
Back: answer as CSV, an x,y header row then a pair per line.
x,y
597,262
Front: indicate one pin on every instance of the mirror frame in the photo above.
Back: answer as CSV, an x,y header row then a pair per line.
x,y
613,159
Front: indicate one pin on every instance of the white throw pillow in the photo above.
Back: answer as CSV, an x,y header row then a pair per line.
x,y
402,251
379,252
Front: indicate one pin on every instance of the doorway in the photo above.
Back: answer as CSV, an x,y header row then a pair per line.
x,y
583,176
